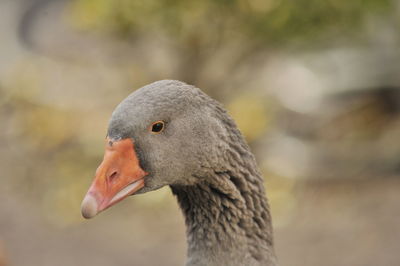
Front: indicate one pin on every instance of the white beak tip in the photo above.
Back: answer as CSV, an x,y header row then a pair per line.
x,y
89,207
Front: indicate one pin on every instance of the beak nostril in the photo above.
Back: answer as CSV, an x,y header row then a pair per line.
x,y
113,175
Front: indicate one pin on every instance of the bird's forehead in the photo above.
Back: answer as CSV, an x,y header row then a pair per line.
x,y
145,106
149,104
128,118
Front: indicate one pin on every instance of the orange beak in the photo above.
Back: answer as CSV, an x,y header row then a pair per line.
x,y
117,177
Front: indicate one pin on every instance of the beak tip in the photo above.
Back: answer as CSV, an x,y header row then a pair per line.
x,y
89,207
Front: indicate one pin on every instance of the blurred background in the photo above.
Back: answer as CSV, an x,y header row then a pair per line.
x,y
313,85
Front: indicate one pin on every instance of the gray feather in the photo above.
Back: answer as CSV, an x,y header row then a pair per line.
x,y
203,157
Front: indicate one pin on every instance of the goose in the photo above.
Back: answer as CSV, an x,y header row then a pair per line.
x,y
169,133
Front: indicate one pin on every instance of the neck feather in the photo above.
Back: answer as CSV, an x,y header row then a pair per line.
x,y
226,212
228,220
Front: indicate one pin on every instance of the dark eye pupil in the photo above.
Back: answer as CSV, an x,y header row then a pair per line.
x,y
157,127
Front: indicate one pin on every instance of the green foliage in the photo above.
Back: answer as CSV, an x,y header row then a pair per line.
x,y
266,21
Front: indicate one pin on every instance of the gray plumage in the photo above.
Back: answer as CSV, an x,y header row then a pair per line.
x,y
203,157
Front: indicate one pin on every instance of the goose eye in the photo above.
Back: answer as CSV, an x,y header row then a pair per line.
x,y
157,127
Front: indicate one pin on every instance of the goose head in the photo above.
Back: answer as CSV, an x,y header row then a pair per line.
x,y
166,133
